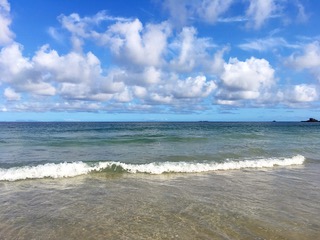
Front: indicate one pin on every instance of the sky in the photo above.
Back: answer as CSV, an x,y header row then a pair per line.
x,y
153,60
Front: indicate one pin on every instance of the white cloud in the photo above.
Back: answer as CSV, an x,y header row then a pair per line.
x,y
12,63
75,24
72,67
216,65
111,83
210,10
139,92
301,95
38,88
11,95
72,76
189,51
162,99
196,87
185,45
133,43
21,73
152,67
227,102
233,19
248,80
259,11
82,27
77,27
142,76
80,75
181,12
6,34
302,15
54,33
304,93
248,75
267,44
151,75
75,91
5,6
309,59
176,93
124,96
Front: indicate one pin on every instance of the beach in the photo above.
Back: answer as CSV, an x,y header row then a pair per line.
x,y
159,181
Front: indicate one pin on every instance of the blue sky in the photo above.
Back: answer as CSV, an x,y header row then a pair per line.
x,y
171,60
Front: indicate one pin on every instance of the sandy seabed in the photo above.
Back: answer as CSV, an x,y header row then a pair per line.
x,y
277,203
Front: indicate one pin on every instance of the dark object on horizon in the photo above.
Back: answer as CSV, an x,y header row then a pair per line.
x,y
311,120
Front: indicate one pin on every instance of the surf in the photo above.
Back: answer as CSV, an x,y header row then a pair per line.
x,y
73,169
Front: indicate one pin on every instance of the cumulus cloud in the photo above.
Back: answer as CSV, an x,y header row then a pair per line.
x,y
308,60
123,97
72,67
171,92
133,43
151,67
161,99
301,95
80,75
189,51
38,88
304,93
196,87
12,63
20,72
6,35
11,95
216,65
248,75
72,76
181,7
245,80
81,28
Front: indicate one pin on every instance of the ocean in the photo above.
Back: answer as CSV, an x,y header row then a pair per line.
x,y
160,180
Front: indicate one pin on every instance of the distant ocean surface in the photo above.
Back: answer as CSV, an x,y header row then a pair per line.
x,y
161,180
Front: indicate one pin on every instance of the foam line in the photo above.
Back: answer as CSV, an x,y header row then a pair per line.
x,y
64,170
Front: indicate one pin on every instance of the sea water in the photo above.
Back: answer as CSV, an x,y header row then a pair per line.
x,y
180,180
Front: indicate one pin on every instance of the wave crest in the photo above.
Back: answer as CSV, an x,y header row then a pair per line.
x,y
63,170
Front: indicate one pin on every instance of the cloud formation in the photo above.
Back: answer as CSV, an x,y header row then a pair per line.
x,y
202,10
259,11
151,66
308,60
245,80
267,44
6,34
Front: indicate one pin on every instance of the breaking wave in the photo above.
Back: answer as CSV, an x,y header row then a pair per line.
x,y
64,170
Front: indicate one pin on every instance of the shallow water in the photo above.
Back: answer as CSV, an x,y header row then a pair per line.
x,y
282,203
260,202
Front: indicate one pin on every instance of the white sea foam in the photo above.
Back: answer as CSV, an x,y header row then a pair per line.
x,y
63,170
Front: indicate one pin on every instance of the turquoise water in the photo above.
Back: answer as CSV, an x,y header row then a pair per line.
x,y
197,180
